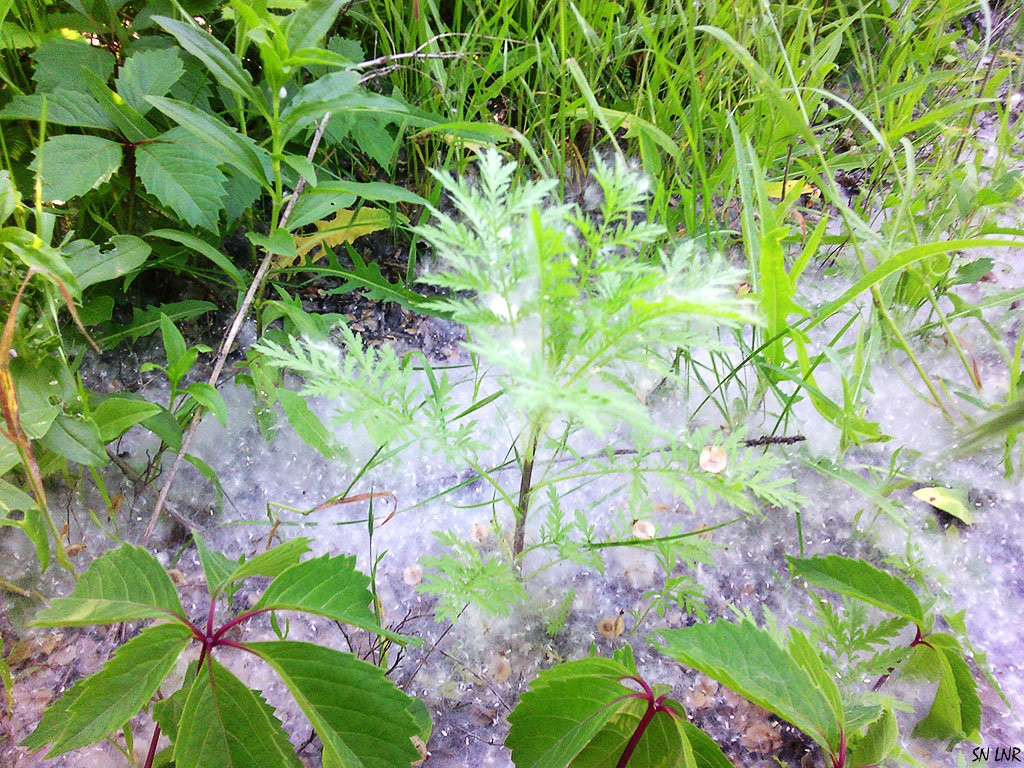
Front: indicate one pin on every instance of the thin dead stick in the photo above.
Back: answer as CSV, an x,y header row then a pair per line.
x,y
229,340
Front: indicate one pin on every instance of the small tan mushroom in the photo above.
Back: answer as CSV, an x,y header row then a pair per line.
x,y
478,533
644,529
713,459
499,668
611,626
413,574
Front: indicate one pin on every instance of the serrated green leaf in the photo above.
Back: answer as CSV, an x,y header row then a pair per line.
x,y
225,724
360,716
861,580
63,107
876,743
308,425
662,744
148,73
273,562
747,660
564,710
184,178
59,64
328,586
72,165
77,440
208,397
706,752
116,415
220,62
167,712
943,720
95,263
800,648
217,567
124,584
237,150
130,123
105,701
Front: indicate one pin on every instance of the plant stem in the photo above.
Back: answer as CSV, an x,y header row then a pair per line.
x,y
519,539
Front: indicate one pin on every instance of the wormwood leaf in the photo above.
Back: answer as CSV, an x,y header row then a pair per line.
x,y
227,725
361,717
860,579
124,584
104,702
747,660
328,586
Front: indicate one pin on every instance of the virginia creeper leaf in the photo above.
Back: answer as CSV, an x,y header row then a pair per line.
x,y
148,73
861,580
564,710
747,660
63,107
217,567
662,745
105,701
225,724
361,717
875,744
124,584
95,263
272,562
328,586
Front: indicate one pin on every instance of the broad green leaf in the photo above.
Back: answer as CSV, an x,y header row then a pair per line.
x,y
277,242
220,62
328,586
76,439
237,150
95,263
373,190
861,580
662,744
307,26
124,584
224,724
33,252
217,567
13,498
116,415
208,397
9,198
130,123
59,64
361,717
944,720
564,710
308,425
966,688
167,712
950,501
183,177
63,107
706,753
207,250
174,342
271,563
318,203
6,682
148,73
805,654
105,701
166,427
876,743
747,660
313,98
71,165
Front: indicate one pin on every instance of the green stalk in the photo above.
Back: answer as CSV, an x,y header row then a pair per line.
x,y
525,481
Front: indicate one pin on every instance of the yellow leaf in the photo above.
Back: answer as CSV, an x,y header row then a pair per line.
x,y
344,227
949,501
775,188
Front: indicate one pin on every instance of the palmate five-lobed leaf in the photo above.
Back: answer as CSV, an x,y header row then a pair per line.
x,y
363,720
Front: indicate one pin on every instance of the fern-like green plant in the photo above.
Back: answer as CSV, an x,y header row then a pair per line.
x,y
573,320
